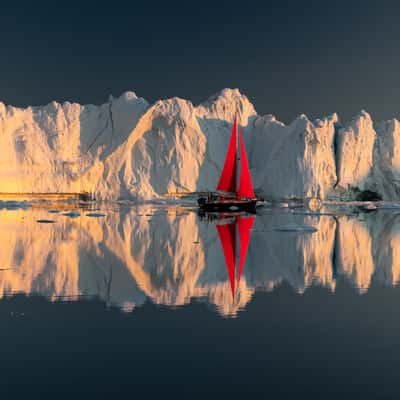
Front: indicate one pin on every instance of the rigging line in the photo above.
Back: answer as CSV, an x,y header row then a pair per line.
x,y
97,136
109,283
108,280
109,120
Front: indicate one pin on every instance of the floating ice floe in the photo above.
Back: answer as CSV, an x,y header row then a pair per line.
x,y
368,207
292,227
14,205
95,215
283,205
72,214
388,206
314,213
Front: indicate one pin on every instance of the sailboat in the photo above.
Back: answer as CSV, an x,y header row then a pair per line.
x,y
235,257
235,188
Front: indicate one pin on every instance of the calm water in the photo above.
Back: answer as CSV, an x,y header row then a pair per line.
x,y
132,300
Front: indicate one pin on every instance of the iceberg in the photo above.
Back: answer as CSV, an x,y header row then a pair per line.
x,y
129,150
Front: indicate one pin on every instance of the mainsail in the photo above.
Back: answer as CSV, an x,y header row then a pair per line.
x,y
227,181
227,235
245,185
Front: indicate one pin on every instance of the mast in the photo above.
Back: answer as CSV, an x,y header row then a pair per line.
x,y
237,242
227,236
228,179
237,252
245,189
237,160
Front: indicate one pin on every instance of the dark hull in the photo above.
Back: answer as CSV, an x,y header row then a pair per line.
x,y
226,206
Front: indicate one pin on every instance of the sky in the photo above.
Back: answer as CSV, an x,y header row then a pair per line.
x,y
287,57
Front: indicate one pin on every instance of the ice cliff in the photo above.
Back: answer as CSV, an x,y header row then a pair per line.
x,y
130,149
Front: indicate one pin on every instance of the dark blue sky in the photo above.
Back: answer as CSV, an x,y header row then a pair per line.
x,y
288,57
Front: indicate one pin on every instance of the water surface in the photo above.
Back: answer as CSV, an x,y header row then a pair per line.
x,y
132,299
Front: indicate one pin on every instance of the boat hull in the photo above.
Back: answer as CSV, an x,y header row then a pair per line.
x,y
226,206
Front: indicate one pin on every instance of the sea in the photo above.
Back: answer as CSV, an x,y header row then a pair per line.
x,y
108,300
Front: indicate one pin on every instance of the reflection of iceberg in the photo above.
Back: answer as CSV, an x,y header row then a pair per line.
x,y
298,259
355,261
170,257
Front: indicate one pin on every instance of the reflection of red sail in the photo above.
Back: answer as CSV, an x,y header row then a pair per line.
x,y
244,225
227,181
227,235
245,186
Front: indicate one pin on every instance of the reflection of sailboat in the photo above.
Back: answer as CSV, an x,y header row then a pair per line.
x,y
235,259
235,186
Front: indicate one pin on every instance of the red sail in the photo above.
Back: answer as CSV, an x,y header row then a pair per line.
x,y
227,235
245,186
227,181
244,225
